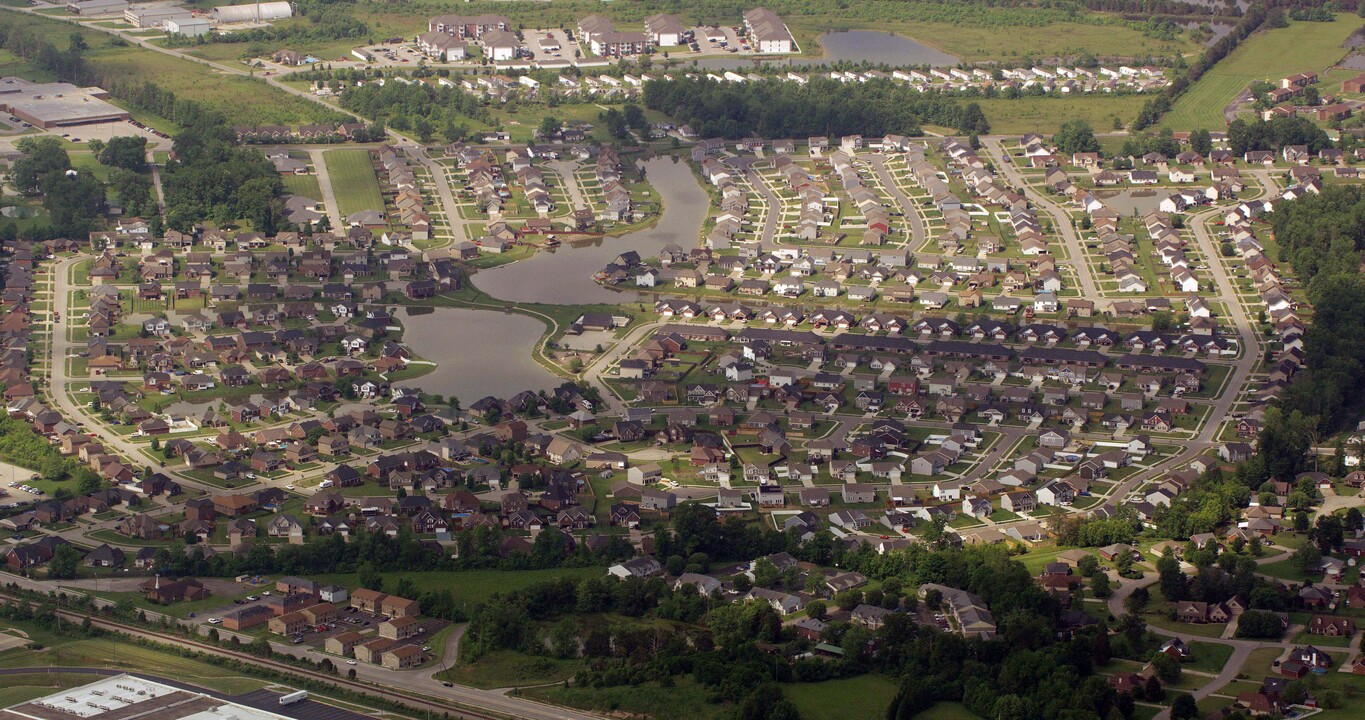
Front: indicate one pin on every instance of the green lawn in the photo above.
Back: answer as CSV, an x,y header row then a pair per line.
x,y
865,697
302,185
353,181
1268,55
1208,657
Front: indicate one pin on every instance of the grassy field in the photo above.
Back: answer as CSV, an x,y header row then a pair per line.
x,y
686,700
244,100
947,711
353,181
303,185
1044,115
865,697
119,654
28,686
1268,55
505,668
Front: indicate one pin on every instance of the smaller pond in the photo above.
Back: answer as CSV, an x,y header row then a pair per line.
x,y
477,352
1124,202
881,48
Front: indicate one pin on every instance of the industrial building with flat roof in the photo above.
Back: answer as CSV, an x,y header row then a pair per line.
x,y
124,697
49,105
154,16
97,7
253,12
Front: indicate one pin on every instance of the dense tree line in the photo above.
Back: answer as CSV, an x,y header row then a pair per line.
x,y
1323,237
1276,133
1256,15
775,109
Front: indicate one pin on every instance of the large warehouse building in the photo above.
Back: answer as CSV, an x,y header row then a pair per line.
x,y
125,697
253,12
49,105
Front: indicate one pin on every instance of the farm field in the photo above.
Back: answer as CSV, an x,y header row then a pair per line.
x,y
1268,55
353,181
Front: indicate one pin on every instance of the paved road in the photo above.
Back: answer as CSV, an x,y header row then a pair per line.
x,y
1072,246
913,218
565,169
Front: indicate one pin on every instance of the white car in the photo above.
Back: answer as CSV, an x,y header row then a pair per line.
x,y
350,662
288,487
215,621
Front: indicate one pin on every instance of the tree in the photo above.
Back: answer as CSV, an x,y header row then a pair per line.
x,y
1201,142
550,126
1166,667
1099,585
1174,585
126,151
817,609
1262,624
42,156
1184,707
64,562
1075,136
1137,601
1306,559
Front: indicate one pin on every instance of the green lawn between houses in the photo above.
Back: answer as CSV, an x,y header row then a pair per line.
x,y
353,181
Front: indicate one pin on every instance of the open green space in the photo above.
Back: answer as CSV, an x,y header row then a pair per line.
x,y
1268,55
1045,114
353,181
865,697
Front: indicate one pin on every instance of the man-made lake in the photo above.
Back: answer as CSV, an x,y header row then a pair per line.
x,y
477,353
872,46
564,276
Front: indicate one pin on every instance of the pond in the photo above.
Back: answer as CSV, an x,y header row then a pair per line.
x,y
477,352
564,276
1124,202
880,48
